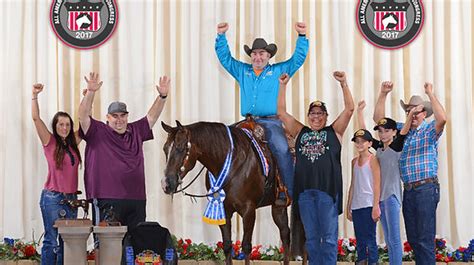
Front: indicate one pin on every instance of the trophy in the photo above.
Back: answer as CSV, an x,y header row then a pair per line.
x,y
110,219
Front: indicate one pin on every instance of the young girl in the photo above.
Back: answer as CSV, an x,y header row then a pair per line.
x,y
389,148
63,157
363,200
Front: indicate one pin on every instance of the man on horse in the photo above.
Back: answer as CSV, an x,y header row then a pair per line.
x,y
259,90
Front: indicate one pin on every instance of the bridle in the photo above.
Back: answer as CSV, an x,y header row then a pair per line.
x,y
183,168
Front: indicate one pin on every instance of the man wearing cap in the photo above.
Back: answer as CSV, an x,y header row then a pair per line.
x,y
114,164
259,90
419,170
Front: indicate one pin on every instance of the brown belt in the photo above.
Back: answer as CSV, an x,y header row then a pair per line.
x,y
416,184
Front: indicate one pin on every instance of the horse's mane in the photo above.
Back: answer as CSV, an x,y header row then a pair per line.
x,y
214,135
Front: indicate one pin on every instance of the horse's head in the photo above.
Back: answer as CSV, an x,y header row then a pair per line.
x,y
180,156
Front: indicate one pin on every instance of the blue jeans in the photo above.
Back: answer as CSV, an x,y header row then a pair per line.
x,y
419,212
52,250
364,227
275,135
390,219
319,213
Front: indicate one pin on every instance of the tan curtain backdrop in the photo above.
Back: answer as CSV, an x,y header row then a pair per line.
x,y
176,38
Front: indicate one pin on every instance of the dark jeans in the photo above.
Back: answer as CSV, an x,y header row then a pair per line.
x,y
319,213
127,212
419,212
52,251
275,135
364,227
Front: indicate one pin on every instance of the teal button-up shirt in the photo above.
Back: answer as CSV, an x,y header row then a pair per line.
x,y
259,94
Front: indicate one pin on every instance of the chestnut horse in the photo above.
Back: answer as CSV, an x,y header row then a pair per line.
x,y
209,143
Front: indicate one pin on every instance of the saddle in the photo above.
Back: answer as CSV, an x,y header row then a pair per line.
x,y
258,133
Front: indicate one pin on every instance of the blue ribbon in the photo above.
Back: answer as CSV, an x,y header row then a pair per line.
x,y
263,159
215,212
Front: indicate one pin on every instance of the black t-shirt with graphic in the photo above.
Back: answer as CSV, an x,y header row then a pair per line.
x,y
318,163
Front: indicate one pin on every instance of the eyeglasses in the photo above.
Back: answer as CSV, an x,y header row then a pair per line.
x,y
317,113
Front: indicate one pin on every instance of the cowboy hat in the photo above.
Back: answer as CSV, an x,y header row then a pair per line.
x,y
260,43
415,101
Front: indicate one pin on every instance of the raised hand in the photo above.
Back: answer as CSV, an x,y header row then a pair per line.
x,y
37,88
416,110
164,85
428,88
300,27
222,27
284,79
361,105
340,76
386,87
93,83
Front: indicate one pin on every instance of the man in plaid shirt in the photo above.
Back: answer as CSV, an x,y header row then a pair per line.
x,y
419,169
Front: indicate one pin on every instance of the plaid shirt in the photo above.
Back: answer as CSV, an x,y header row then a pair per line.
x,y
419,158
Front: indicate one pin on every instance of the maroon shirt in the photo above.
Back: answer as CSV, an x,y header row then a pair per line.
x,y
114,164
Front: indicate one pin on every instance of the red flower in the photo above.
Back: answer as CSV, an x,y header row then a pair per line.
x,y
439,257
282,250
340,251
29,251
220,244
353,241
255,255
180,242
407,247
188,241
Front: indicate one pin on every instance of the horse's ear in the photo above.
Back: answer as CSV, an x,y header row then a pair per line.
x,y
167,128
179,124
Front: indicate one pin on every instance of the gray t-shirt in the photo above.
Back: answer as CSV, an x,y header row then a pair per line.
x,y
389,167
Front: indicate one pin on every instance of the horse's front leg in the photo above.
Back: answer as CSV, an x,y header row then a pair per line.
x,y
280,217
248,218
227,239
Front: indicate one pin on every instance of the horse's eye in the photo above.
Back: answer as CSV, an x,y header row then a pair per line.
x,y
180,149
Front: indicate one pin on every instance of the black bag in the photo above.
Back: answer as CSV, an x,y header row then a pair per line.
x,y
145,242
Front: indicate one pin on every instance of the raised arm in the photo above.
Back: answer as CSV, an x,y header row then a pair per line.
x,y
342,121
407,124
157,107
301,50
379,111
93,85
232,65
438,110
360,114
43,132
292,125
375,166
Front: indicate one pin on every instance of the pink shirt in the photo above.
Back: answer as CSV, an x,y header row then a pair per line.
x,y
61,180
